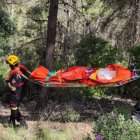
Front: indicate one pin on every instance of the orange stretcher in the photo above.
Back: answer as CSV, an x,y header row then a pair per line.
x,y
76,76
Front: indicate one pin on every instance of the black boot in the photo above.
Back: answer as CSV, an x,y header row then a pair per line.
x,y
12,122
21,120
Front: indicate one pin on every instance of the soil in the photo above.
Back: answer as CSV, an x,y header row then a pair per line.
x,y
55,115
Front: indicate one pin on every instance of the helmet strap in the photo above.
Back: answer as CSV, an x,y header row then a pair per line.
x,y
13,66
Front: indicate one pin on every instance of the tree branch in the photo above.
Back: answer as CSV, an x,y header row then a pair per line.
x,y
24,45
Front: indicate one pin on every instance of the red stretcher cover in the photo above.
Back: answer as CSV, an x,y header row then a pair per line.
x,y
84,75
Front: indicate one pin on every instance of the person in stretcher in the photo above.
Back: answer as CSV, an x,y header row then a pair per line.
x,y
84,75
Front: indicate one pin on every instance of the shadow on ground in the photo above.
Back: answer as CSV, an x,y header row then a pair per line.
x,y
71,110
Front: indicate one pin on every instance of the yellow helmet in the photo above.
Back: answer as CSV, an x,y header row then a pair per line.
x,y
12,60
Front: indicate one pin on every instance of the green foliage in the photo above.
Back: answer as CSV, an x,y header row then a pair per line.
x,y
54,134
132,90
4,46
113,126
95,51
124,109
37,13
73,116
7,27
29,58
11,134
135,55
97,92
4,90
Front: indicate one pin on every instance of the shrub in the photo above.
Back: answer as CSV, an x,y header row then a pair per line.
x,y
95,51
7,27
113,126
73,115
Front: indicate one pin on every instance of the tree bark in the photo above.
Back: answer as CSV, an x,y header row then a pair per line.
x,y
50,48
51,33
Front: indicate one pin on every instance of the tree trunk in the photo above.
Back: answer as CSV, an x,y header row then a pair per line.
x,y
51,33
50,48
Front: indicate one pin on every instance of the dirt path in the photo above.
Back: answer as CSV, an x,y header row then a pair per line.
x,y
72,130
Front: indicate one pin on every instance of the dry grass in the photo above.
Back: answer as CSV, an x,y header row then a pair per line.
x,y
54,122
42,130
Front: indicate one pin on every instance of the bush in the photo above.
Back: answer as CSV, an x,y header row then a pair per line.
x,y
135,55
7,27
133,90
95,51
113,126
73,116
3,87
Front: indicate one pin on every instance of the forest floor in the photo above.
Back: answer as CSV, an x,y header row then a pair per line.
x,y
68,121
